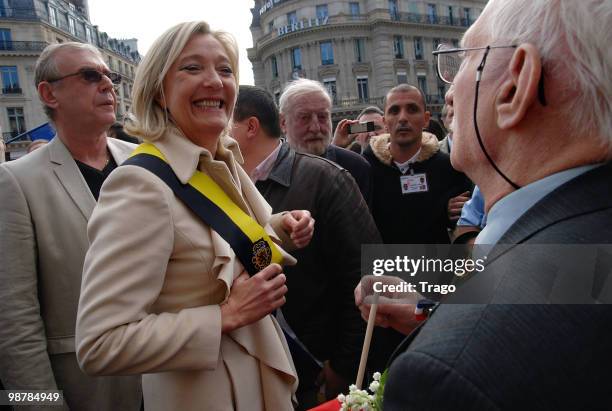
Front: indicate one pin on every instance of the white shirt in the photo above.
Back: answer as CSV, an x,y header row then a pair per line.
x,y
405,166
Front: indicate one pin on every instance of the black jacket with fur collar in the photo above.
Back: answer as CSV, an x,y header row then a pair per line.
x,y
415,218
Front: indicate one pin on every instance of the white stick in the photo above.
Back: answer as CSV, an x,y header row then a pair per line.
x,y
366,342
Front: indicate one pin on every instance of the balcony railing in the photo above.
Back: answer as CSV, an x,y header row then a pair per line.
x,y
350,102
11,90
10,135
9,45
430,19
17,13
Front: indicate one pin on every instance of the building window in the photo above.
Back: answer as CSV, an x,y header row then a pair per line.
x,y
398,47
330,85
362,89
52,16
402,77
359,50
327,53
110,63
432,13
322,13
88,34
393,10
354,8
422,82
436,43
418,48
126,90
292,18
6,43
451,17
455,43
296,58
274,65
16,120
10,80
467,18
3,9
270,27
71,26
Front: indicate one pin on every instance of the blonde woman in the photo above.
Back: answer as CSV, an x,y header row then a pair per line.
x,y
164,294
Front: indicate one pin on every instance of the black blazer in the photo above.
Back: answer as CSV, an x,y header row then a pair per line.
x,y
513,357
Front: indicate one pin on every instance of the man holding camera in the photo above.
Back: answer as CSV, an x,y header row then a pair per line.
x,y
413,180
355,134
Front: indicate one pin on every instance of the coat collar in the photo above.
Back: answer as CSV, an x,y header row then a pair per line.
x,y
281,172
565,202
380,147
69,175
184,156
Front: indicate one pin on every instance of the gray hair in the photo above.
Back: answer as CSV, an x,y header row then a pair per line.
x,y
298,87
46,66
150,119
574,39
370,110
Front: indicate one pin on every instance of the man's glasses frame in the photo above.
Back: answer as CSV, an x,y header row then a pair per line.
x,y
442,50
92,76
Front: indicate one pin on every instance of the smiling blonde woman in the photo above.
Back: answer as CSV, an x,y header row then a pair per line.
x,y
164,294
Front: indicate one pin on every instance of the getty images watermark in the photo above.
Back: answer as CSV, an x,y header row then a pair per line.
x,y
503,274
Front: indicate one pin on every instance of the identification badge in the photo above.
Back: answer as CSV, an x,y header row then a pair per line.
x,y
414,183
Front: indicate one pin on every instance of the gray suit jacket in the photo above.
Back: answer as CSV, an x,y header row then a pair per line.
x,y
44,210
534,356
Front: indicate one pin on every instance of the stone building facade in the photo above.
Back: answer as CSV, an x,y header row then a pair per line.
x,y
26,28
358,48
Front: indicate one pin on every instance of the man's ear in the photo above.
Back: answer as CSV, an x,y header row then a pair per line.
x,y
427,118
283,123
520,90
253,127
47,95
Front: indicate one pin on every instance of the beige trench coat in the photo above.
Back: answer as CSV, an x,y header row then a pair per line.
x,y
153,280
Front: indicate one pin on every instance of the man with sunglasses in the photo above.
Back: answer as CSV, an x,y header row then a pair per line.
x,y
47,198
532,128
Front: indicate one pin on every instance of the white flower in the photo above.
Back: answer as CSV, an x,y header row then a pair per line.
x,y
374,386
376,376
341,397
352,388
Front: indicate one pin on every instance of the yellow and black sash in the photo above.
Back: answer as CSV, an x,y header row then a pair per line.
x,y
207,200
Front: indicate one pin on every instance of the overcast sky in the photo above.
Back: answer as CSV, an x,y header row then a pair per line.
x,y
146,20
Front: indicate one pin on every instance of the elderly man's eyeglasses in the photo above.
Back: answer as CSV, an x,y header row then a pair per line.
x,y
449,59
92,76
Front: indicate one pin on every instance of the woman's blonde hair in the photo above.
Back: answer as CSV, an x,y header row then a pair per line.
x,y
150,120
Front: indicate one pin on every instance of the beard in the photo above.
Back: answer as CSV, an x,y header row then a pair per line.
x,y
311,144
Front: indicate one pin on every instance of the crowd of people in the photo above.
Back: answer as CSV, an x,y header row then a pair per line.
x,y
209,256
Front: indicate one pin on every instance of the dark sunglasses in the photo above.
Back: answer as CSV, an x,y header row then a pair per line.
x,y
92,76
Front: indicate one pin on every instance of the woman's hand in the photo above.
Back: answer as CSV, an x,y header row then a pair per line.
x,y
252,298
